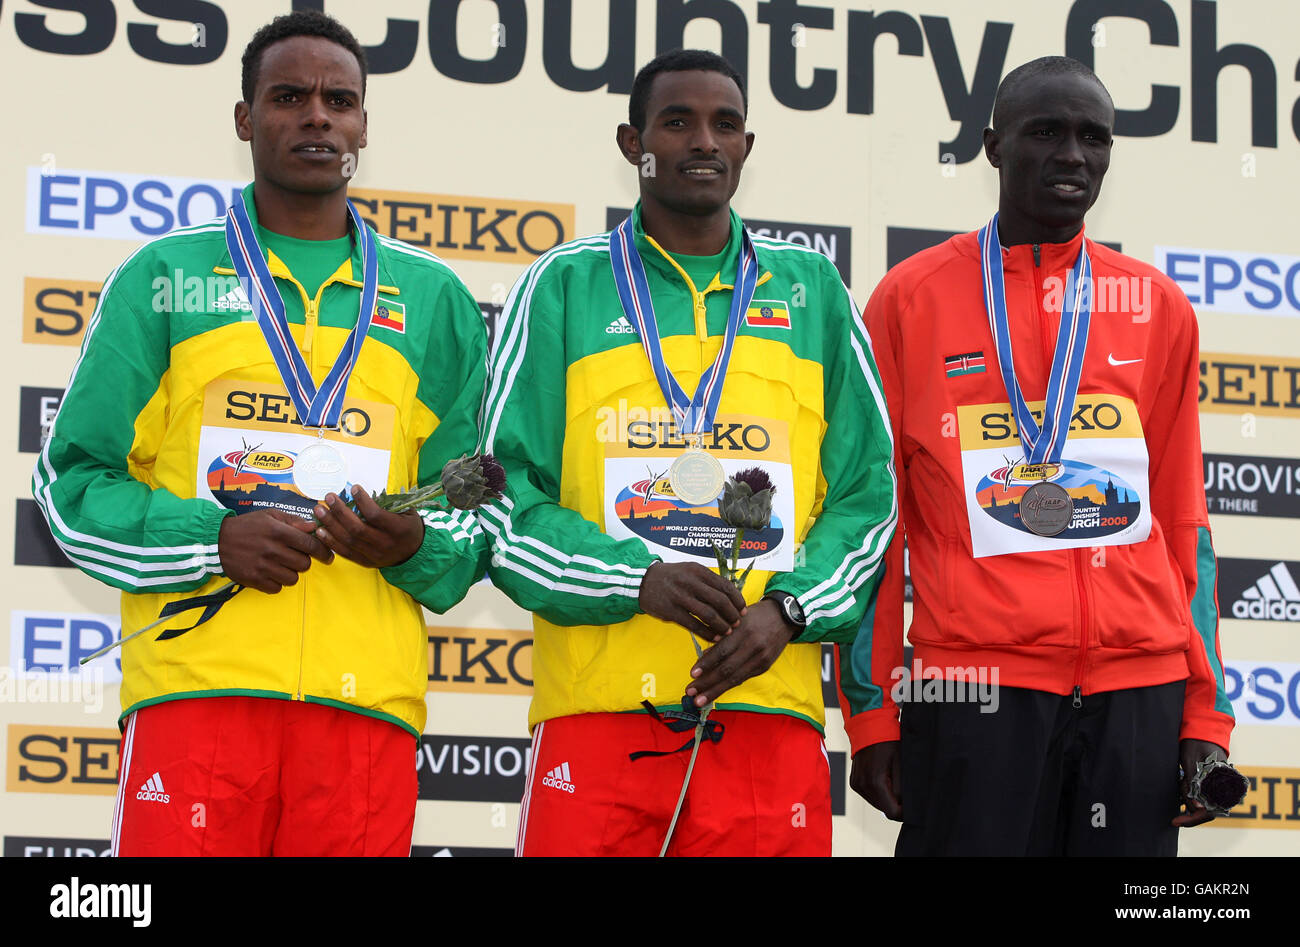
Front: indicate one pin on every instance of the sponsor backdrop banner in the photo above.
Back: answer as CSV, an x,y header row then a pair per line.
x,y
491,139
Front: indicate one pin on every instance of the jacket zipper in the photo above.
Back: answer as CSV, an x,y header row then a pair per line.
x,y
1083,628
311,313
1076,560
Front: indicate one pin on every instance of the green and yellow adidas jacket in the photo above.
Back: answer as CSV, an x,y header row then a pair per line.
x,y
171,355
572,393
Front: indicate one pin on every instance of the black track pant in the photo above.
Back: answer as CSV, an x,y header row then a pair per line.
x,y
1041,777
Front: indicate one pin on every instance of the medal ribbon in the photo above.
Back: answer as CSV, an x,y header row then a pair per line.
x,y
315,407
694,414
1046,443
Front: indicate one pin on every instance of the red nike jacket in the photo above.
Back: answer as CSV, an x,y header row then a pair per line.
x,y
1126,596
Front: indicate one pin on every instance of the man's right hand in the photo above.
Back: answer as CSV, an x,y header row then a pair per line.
x,y
875,777
699,600
266,549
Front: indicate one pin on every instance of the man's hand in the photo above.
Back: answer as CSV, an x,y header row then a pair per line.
x,y
700,601
376,538
266,549
876,777
1191,752
748,652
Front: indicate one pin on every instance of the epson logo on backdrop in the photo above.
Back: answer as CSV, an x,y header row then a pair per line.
x,y
55,642
1262,284
121,206
1267,693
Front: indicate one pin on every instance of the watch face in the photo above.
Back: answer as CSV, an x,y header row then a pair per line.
x,y
793,611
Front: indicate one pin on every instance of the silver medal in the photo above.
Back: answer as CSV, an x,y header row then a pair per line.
x,y
320,469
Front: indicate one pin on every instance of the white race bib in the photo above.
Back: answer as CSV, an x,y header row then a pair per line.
x,y
253,453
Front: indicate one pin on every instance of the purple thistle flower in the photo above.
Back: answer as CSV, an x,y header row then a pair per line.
x,y
756,479
1222,787
746,501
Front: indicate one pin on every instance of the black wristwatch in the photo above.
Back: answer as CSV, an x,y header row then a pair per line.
x,y
791,610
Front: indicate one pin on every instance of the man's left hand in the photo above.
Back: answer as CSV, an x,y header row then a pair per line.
x,y
1191,752
376,538
747,652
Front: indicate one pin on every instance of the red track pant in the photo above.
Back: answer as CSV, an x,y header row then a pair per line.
x,y
259,776
762,790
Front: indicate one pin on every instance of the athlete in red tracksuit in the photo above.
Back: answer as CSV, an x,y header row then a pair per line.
x,y
1101,641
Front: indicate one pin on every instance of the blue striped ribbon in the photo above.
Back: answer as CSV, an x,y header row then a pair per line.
x,y
320,408
1043,443
694,414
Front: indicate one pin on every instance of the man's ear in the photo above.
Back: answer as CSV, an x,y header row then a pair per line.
x,y
629,143
991,143
749,144
365,127
243,121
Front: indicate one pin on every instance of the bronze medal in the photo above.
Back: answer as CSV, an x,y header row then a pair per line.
x,y
1046,509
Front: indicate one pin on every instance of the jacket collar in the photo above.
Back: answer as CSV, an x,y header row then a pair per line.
x,y
1018,261
344,274
655,257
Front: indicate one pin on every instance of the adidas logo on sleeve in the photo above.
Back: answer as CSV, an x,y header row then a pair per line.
x,y
152,791
558,778
620,326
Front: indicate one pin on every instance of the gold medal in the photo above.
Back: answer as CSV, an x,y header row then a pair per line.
x,y
696,476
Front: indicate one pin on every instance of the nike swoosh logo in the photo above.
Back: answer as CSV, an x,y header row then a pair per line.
x,y
1118,361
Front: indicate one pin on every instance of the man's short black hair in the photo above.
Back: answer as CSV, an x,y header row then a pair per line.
x,y
1022,80
677,60
298,23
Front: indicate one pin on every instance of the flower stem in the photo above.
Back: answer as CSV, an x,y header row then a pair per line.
x,y
136,634
735,553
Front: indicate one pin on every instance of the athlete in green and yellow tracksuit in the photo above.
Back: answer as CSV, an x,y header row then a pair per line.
x,y
576,415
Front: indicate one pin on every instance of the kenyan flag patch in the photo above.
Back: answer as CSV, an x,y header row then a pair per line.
x,y
389,316
971,363
768,314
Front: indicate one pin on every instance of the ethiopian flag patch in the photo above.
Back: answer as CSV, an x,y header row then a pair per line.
x,y
389,316
969,363
768,314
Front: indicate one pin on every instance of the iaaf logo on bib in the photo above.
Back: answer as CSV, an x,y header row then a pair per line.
x,y
1259,591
